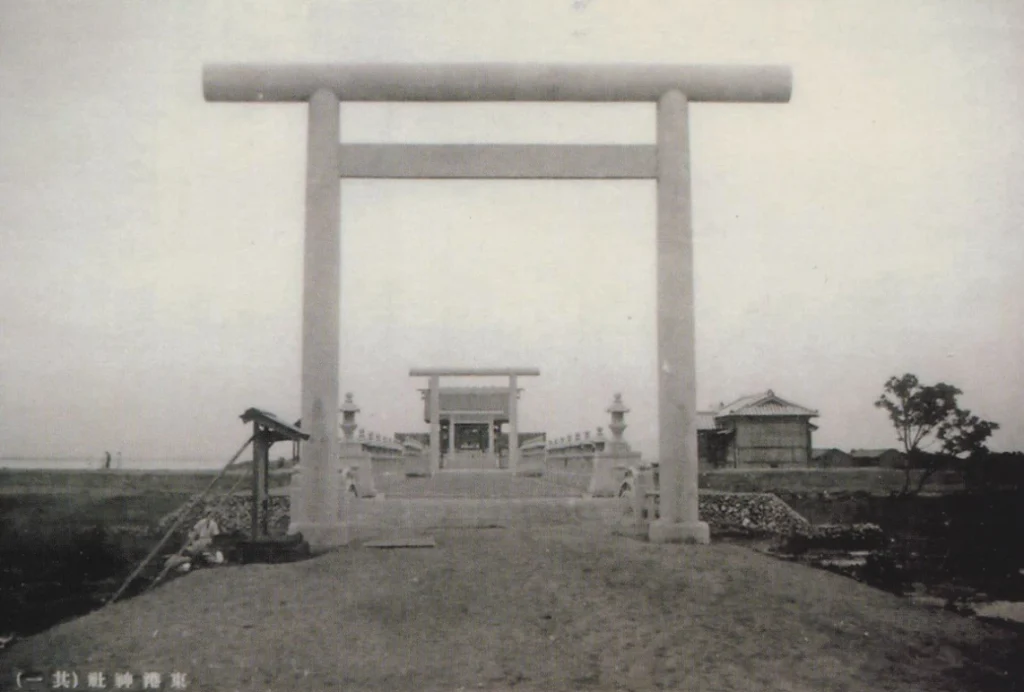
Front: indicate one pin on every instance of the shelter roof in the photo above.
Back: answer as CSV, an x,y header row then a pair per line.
x,y
280,430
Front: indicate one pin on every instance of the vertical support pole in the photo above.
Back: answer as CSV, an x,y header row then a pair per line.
x,y
254,519
451,436
260,455
640,517
265,493
490,441
677,386
318,513
435,423
513,423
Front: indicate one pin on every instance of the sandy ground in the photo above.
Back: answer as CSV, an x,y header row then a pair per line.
x,y
561,608
497,485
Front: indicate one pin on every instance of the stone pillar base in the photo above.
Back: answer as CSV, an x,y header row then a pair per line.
x,y
417,467
322,537
296,508
529,472
362,474
361,465
662,531
530,466
607,473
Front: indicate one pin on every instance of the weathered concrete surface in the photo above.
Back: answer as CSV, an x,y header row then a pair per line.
x,y
455,371
315,502
496,82
677,367
551,161
372,518
609,472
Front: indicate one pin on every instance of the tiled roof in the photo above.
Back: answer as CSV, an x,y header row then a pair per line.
x,y
764,404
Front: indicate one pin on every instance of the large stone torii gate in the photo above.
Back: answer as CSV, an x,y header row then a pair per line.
x,y
316,511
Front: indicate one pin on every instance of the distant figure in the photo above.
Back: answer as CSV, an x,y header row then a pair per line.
x,y
106,464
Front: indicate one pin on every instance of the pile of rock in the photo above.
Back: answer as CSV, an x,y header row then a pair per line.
x,y
750,513
233,514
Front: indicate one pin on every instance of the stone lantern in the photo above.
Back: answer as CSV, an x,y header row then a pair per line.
x,y
349,409
618,424
354,458
611,462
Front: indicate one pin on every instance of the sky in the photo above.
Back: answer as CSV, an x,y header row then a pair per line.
x,y
151,243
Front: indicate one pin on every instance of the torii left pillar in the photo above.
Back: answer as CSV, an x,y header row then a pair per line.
x,y
318,501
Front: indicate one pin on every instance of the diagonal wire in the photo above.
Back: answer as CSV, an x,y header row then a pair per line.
x,y
177,522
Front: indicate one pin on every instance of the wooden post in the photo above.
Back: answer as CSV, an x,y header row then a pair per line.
x,y
260,482
435,423
265,499
513,423
640,488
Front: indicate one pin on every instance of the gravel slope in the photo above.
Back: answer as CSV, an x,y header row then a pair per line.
x,y
563,608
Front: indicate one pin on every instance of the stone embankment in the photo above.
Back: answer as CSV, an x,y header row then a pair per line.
x,y
232,514
754,513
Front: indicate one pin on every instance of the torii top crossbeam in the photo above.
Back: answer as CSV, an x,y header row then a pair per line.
x,y
496,82
473,372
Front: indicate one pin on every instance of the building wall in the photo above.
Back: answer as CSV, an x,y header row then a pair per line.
x,y
833,458
891,459
764,441
712,450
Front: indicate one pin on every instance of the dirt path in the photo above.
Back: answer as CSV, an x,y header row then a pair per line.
x,y
564,608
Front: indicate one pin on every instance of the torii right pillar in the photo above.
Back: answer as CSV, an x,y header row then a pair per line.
x,y
677,366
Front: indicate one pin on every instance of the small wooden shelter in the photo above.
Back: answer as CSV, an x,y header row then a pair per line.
x,y
266,430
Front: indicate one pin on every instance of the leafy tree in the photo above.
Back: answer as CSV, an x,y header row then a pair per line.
x,y
931,426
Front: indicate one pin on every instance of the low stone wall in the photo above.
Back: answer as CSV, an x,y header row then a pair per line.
x,y
390,464
577,480
866,479
571,463
231,514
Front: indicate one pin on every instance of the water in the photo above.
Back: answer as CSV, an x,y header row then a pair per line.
x,y
98,462
1004,610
